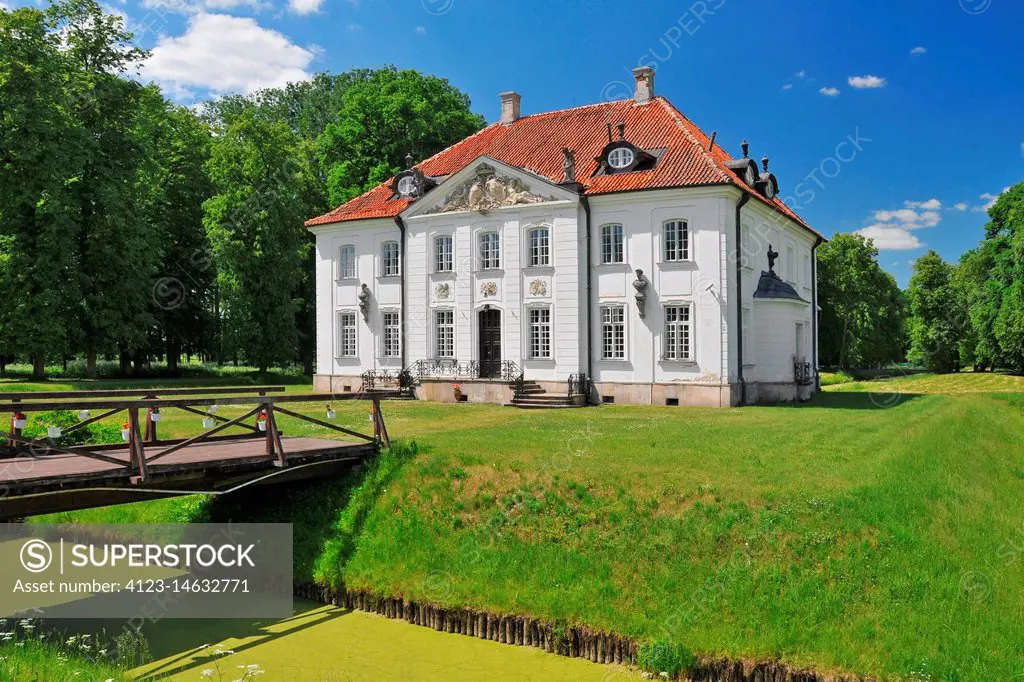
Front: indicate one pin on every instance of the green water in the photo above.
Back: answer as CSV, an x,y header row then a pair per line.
x,y
326,644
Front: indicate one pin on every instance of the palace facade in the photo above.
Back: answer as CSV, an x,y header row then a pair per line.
x,y
607,253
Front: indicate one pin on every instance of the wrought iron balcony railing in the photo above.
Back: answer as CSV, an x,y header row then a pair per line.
x,y
802,373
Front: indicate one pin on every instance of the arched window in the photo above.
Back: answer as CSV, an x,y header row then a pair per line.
x,y
539,244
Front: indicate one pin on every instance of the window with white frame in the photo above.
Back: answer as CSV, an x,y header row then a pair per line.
x,y
444,333
347,262
790,265
390,262
611,244
392,339
540,332
444,253
539,243
676,238
490,251
678,333
346,334
805,276
613,332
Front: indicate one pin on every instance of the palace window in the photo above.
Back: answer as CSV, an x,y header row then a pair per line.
x,y
444,253
346,334
613,332
611,244
540,332
392,334
347,262
390,262
540,246
620,157
490,251
676,237
444,333
678,333
790,265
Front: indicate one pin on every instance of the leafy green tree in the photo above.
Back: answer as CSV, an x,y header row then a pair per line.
x,y
255,225
1004,238
40,170
937,314
862,308
382,118
117,251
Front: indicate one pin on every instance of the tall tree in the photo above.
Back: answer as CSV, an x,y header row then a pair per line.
x,y
862,308
1005,237
118,255
937,314
40,142
385,116
255,226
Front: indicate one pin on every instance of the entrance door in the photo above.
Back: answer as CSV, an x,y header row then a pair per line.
x,y
490,343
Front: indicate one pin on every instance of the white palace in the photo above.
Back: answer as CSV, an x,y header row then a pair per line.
x,y
607,253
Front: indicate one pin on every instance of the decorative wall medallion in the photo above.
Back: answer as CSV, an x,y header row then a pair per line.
x,y
486,191
489,289
442,291
538,287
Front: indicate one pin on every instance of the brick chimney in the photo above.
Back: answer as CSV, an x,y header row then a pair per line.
x,y
644,76
510,102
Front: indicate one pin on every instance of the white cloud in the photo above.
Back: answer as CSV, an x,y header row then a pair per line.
x,y
990,201
862,82
198,6
421,30
353,28
891,238
961,206
305,6
787,86
4,5
893,229
829,92
221,53
1022,148
801,74
918,51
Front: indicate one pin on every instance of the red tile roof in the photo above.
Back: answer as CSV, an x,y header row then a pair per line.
x,y
535,143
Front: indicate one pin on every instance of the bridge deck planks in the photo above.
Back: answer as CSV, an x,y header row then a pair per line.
x,y
26,472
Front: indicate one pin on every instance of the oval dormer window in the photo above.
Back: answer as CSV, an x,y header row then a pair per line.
x,y
620,157
406,186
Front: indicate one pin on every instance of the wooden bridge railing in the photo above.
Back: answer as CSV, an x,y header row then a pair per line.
x,y
265,410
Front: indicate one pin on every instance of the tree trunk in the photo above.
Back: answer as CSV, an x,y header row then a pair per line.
x,y
39,366
307,363
173,353
90,363
125,362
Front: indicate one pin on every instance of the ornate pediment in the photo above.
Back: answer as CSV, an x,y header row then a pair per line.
x,y
487,190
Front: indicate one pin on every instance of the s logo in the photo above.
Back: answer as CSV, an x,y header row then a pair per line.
x,y
36,556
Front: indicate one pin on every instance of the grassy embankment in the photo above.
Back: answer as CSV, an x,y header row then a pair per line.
x,y
873,530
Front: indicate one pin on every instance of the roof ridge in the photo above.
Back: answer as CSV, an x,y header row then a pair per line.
x,y
681,121
456,144
576,108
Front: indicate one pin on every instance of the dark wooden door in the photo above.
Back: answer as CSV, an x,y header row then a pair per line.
x,y
490,343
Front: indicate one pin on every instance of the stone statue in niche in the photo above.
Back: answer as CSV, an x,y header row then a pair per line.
x,y
568,166
772,255
640,284
364,302
487,191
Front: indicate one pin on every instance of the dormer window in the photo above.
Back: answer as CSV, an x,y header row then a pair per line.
x,y
406,186
620,157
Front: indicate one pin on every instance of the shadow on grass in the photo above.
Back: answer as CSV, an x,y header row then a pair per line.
x,y
860,400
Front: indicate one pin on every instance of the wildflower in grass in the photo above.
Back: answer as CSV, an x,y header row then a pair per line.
x,y
208,672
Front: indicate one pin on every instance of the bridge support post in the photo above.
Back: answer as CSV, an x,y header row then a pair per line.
x,y
137,453
380,431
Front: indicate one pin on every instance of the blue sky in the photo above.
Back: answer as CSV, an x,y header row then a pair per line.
x,y
932,89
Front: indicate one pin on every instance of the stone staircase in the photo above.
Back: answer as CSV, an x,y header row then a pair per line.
x,y
534,397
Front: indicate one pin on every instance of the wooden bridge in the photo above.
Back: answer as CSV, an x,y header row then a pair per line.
x,y
39,476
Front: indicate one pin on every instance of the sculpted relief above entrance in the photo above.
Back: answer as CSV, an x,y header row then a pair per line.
x,y
486,191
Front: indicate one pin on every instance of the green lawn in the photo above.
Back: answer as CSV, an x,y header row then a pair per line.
x,y
874,530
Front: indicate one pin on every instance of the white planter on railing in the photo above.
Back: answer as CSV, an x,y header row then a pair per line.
x,y
212,409
154,416
53,432
262,424
207,423
331,414
20,423
125,434
83,415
